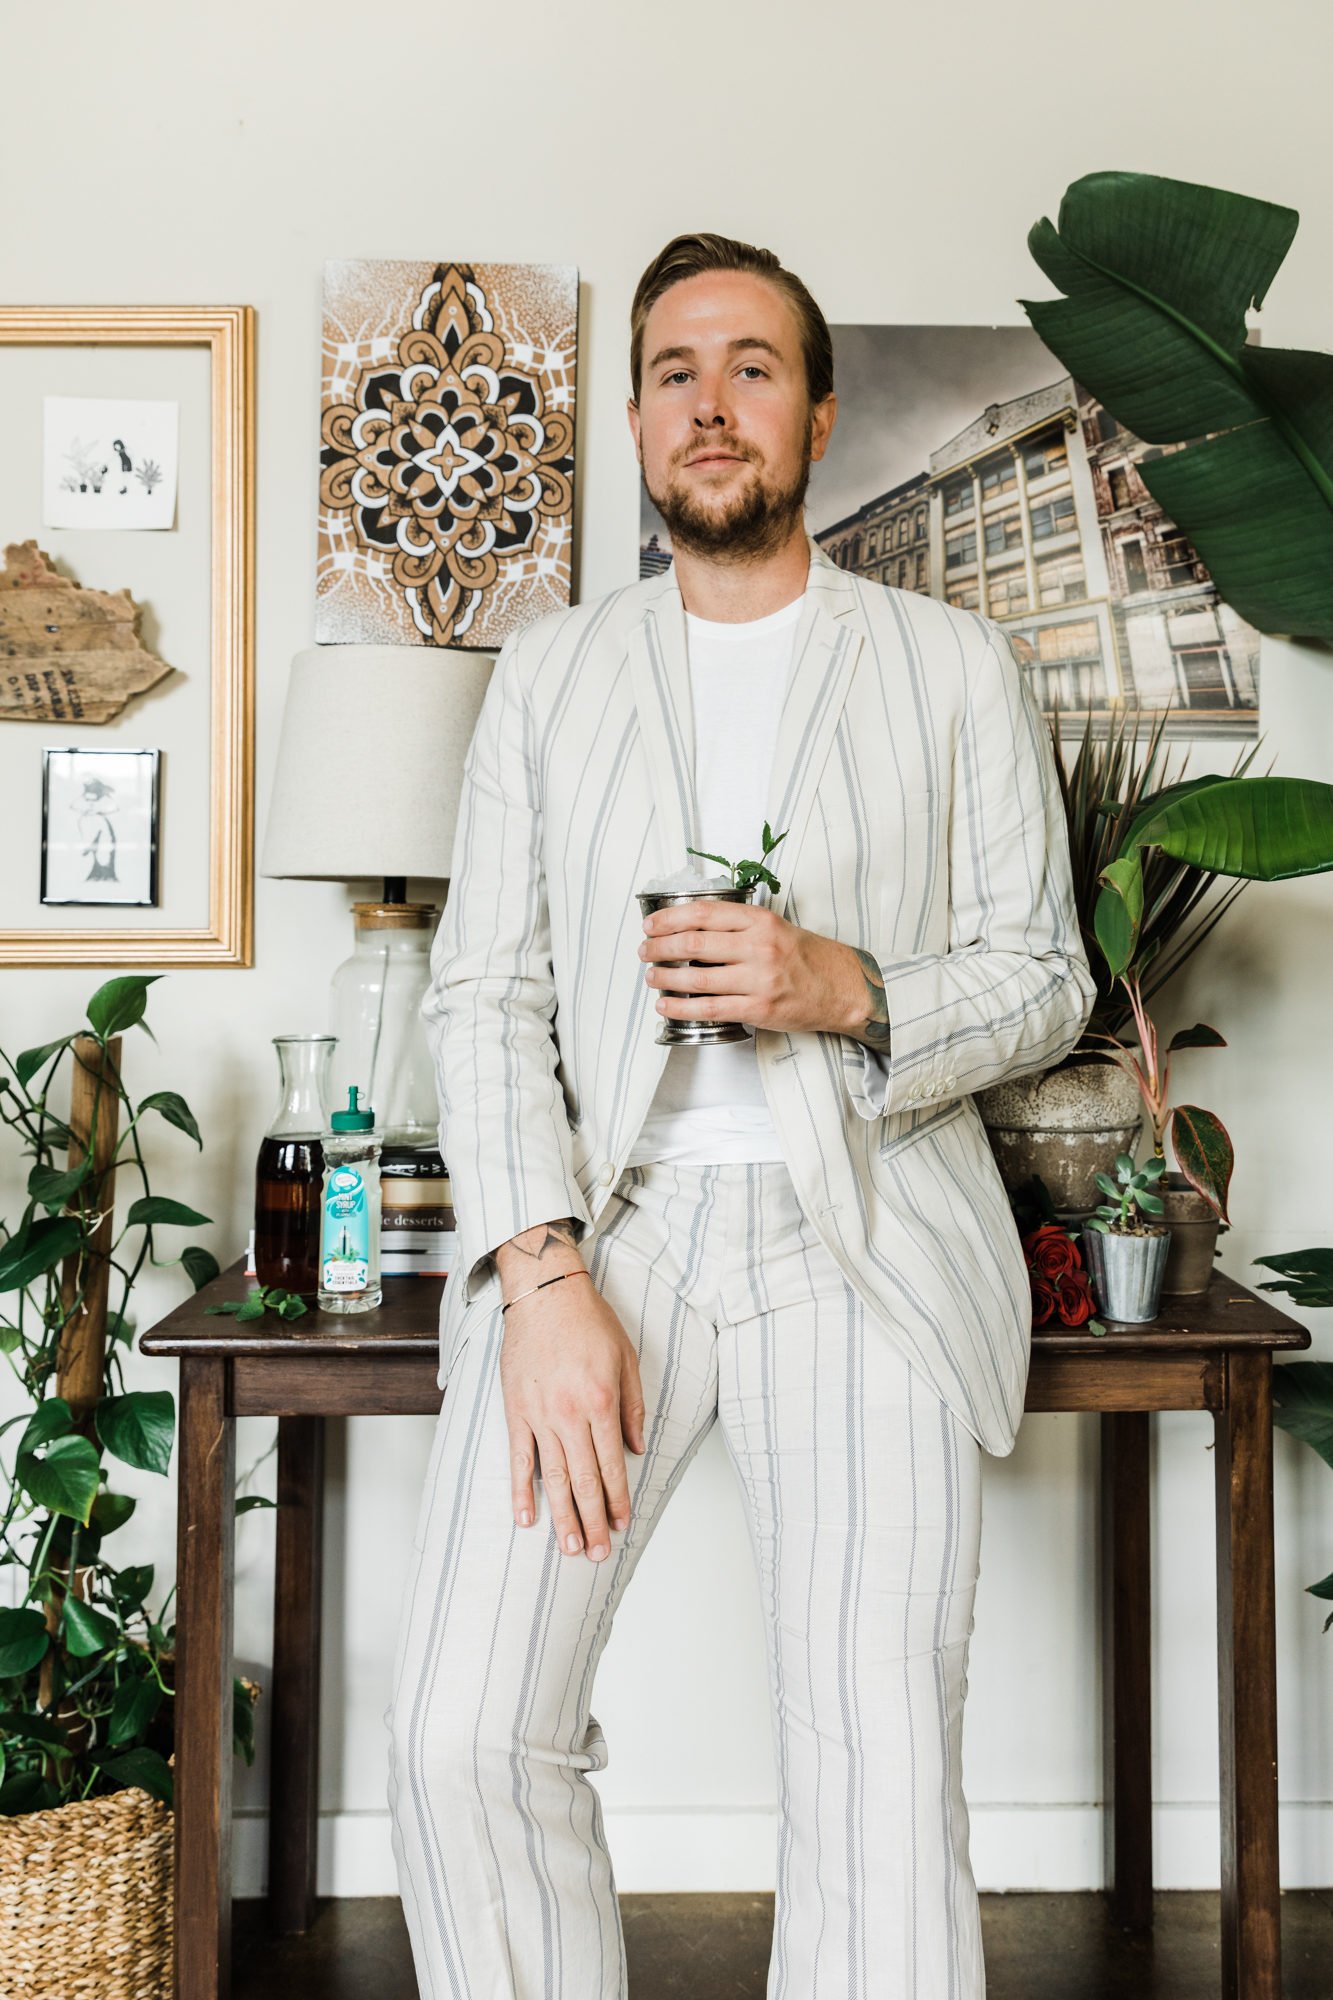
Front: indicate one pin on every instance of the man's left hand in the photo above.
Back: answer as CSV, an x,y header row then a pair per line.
x,y
758,969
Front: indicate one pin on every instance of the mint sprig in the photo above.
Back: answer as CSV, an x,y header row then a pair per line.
x,y
743,873
265,1298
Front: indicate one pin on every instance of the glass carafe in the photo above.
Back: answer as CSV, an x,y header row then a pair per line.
x,y
289,1175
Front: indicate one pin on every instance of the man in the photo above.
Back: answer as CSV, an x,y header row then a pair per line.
x,y
803,1235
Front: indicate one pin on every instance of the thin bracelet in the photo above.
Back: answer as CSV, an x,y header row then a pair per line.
x,y
584,1273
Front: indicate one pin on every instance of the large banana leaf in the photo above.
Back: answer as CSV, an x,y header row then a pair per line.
x,y
1261,829
1159,275
1266,829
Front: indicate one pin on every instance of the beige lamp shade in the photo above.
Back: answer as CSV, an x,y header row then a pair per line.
x,y
370,761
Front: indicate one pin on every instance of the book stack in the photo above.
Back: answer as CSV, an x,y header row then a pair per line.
x,y
417,1229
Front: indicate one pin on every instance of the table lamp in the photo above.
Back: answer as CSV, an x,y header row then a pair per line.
x,y
369,771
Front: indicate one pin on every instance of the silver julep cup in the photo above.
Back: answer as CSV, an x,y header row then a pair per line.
x,y
1127,1271
694,1034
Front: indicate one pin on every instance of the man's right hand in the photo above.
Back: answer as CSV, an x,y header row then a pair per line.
x,y
570,1377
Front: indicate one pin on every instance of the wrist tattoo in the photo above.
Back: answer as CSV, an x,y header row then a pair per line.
x,y
874,1029
536,1241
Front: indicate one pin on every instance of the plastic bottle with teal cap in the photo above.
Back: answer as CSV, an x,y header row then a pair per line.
x,y
349,1254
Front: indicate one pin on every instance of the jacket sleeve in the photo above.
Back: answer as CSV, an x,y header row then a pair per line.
x,y
490,1007
1014,990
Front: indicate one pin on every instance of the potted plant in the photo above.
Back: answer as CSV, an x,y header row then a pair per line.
x,y
1155,330
1064,1123
1194,1200
1126,1254
86,1669
1142,864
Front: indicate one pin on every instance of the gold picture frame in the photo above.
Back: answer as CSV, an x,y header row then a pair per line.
x,y
228,332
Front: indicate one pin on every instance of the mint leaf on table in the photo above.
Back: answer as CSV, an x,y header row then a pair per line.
x,y
265,1298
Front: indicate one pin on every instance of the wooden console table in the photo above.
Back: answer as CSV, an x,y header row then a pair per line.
x,y
1210,1353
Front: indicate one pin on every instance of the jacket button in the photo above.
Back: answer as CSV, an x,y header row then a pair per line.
x,y
607,1173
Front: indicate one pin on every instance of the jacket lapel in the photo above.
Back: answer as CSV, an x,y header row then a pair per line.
x,y
828,639
660,678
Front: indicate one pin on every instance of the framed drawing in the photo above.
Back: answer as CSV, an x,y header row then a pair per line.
x,y
99,826
446,465
121,628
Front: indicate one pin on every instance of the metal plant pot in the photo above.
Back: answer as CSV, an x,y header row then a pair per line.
x,y
1063,1124
1126,1271
1194,1224
695,1034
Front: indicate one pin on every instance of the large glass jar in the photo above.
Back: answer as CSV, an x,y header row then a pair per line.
x,y
289,1174
381,1037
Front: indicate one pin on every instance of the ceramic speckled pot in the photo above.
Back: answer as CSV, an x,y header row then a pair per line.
x,y
1067,1125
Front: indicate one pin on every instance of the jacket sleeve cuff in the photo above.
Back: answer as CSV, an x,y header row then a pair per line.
x,y
868,1073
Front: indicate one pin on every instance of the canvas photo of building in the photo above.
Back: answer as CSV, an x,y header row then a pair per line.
x,y
966,463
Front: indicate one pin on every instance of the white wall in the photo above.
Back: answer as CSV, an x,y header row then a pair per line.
x,y
896,157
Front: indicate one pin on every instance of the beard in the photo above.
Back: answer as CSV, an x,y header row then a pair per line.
x,y
750,524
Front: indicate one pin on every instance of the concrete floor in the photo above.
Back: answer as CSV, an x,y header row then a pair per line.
x,y
717,1947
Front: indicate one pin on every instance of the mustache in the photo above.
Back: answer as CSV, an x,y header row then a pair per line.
x,y
732,446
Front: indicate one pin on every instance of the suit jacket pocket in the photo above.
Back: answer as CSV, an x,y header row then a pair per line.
x,y
929,1119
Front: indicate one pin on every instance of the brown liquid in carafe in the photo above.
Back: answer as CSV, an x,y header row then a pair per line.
x,y
289,1184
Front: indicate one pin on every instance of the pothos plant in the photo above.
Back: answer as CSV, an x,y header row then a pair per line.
x,y
744,872
85,1667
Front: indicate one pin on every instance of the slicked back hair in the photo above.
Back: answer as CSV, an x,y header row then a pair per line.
x,y
688,257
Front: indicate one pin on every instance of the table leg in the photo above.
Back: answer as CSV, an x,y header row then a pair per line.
x,y
294,1780
1127,1666
1247,1682
206,1500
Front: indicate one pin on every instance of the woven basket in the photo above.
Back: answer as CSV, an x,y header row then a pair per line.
x,y
85,1900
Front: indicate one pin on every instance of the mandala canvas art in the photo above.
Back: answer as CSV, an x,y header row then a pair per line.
x,y
446,493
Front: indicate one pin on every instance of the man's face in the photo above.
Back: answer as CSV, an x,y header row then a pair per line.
x,y
724,427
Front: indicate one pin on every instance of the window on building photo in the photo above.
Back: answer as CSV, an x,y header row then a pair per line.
x,y
1041,457
1177,561
1008,594
1122,489
1001,476
1200,677
1052,517
1006,533
1061,580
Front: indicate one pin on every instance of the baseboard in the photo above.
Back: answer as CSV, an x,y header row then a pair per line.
x,y
1013,1847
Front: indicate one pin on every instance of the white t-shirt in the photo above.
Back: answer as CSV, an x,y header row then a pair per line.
x,y
709,1104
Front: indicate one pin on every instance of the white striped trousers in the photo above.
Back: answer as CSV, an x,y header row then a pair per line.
x,y
863,1495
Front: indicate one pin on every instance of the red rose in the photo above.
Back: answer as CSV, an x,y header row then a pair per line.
x,y
1052,1251
1075,1298
1043,1301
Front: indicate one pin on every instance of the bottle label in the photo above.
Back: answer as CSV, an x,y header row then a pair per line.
x,y
344,1264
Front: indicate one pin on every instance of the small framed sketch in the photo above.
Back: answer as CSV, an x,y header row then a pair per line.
x,y
99,826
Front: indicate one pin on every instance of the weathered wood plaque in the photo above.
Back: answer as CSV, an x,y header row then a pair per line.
x,y
66,654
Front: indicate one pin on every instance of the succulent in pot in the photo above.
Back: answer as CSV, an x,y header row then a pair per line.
x,y
1126,1252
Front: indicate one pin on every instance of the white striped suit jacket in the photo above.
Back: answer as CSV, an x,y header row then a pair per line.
x,y
915,779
